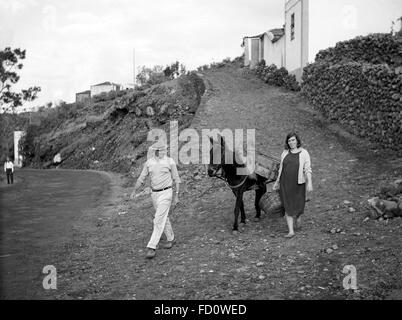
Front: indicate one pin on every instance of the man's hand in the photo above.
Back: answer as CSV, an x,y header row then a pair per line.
x,y
176,200
309,187
275,186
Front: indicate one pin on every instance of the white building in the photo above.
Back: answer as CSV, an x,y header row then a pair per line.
x,y
17,156
251,47
128,86
296,36
314,25
104,87
268,46
273,47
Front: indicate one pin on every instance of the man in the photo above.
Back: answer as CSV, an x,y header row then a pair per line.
x,y
9,170
162,171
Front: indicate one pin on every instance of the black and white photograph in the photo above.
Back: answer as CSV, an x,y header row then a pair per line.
x,y
218,152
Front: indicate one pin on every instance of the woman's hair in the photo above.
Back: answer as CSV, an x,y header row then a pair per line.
x,y
293,134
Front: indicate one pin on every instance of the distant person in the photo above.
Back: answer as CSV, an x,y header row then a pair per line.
x,y
9,170
294,173
162,171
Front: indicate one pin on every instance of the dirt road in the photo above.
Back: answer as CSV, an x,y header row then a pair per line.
x,y
38,214
208,262
106,260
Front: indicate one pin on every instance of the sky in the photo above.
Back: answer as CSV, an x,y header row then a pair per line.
x,y
72,45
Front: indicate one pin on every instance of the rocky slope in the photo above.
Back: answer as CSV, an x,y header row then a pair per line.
x,y
111,134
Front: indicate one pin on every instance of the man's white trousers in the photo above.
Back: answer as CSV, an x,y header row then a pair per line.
x,y
162,201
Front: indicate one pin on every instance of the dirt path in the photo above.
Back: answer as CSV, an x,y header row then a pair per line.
x,y
105,260
343,171
38,215
208,262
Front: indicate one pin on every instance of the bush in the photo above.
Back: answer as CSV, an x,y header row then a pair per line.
x,y
291,83
268,73
279,76
100,97
28,145
365,98
276,77
259,69
239,59
380,48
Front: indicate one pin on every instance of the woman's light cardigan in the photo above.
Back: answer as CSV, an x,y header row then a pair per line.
x,y
304,165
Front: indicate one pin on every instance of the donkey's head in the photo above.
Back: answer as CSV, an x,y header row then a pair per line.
x,y
216,157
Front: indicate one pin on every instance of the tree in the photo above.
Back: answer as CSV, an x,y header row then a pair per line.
x,y
151,76
143,75
10,64
174,70
158,74
183,69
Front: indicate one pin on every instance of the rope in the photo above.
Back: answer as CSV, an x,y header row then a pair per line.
x,y
239,185
227,182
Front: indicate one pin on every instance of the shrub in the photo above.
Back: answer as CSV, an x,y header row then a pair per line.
x,y
276,77
279,77
269,73
365,98
28,145
376,48
100,97
291,83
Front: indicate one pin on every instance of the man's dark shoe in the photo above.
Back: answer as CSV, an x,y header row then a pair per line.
x,y
168,244
150,253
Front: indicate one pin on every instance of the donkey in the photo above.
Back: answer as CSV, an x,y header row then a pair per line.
x,y
237,183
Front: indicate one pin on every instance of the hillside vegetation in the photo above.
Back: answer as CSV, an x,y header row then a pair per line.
x,y
111,133
358,83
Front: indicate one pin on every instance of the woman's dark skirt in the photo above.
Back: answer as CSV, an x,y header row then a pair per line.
x,y
293,195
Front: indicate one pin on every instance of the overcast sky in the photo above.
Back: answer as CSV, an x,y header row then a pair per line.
x,y
74,44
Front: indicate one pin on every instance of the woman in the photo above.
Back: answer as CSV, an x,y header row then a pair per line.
x,y
294,173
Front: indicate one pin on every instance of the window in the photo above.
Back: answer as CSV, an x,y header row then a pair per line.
x,y
292,27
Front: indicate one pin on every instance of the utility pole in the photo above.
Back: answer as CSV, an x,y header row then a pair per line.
x,y
134,80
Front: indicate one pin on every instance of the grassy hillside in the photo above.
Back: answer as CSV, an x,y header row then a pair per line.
x,y
110,134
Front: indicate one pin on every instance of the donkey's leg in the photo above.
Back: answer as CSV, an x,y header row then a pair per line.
x,y
239,200
243,214
258,195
